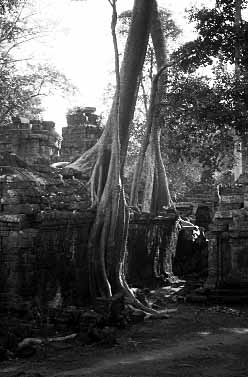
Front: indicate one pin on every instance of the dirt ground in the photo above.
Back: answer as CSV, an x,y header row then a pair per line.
x,y
196,340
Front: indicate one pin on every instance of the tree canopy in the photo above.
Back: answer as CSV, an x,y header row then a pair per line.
x,y
218,36
202,112
22,84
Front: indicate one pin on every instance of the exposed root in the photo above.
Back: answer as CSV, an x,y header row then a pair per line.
x,y
41,341
84,163
135,304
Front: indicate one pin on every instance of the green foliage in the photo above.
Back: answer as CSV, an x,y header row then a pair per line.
x,y
199,113
7,5
170,29
199,120
218,37
221,37
21,93
22,84
202,113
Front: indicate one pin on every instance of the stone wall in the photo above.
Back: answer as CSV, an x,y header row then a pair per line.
x,y
228,238
35,142
199,205
44,226
45,223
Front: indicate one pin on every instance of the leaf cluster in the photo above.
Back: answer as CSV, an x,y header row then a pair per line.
x,y
8,5
171,30
21,93
218,36
199,118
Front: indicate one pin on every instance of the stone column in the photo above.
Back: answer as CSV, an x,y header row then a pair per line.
x,y
212,263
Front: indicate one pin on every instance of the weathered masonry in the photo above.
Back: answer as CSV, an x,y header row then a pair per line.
x,y
82,132
35,142
38,143
44,226
45,220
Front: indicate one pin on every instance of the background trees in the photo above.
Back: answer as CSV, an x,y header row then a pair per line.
x,y
199,121
22,84
203,111
206,96
221,31
222,44
169,32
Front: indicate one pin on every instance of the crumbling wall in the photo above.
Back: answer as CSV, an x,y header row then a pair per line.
x,y
44,226
44,229
199,204
35,142
81,134
228,238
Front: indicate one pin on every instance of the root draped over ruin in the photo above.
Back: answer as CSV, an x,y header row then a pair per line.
x,y
105,162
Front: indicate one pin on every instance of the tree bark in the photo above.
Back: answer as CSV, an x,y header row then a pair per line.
x,y
131,67
238,21
156,193
105,162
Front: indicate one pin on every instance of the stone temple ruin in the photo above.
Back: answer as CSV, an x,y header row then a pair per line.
x,y
37,142
33,141
228,233
45,220
225,219
81,134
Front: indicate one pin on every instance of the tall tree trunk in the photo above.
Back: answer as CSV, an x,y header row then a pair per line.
x,y
131,67
144,146
156,194
105,161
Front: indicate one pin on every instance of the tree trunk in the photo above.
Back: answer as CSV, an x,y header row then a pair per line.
x,y
131,67
144,146
156,194
105,161
237,25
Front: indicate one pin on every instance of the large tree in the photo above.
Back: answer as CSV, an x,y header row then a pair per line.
x,y
105,161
